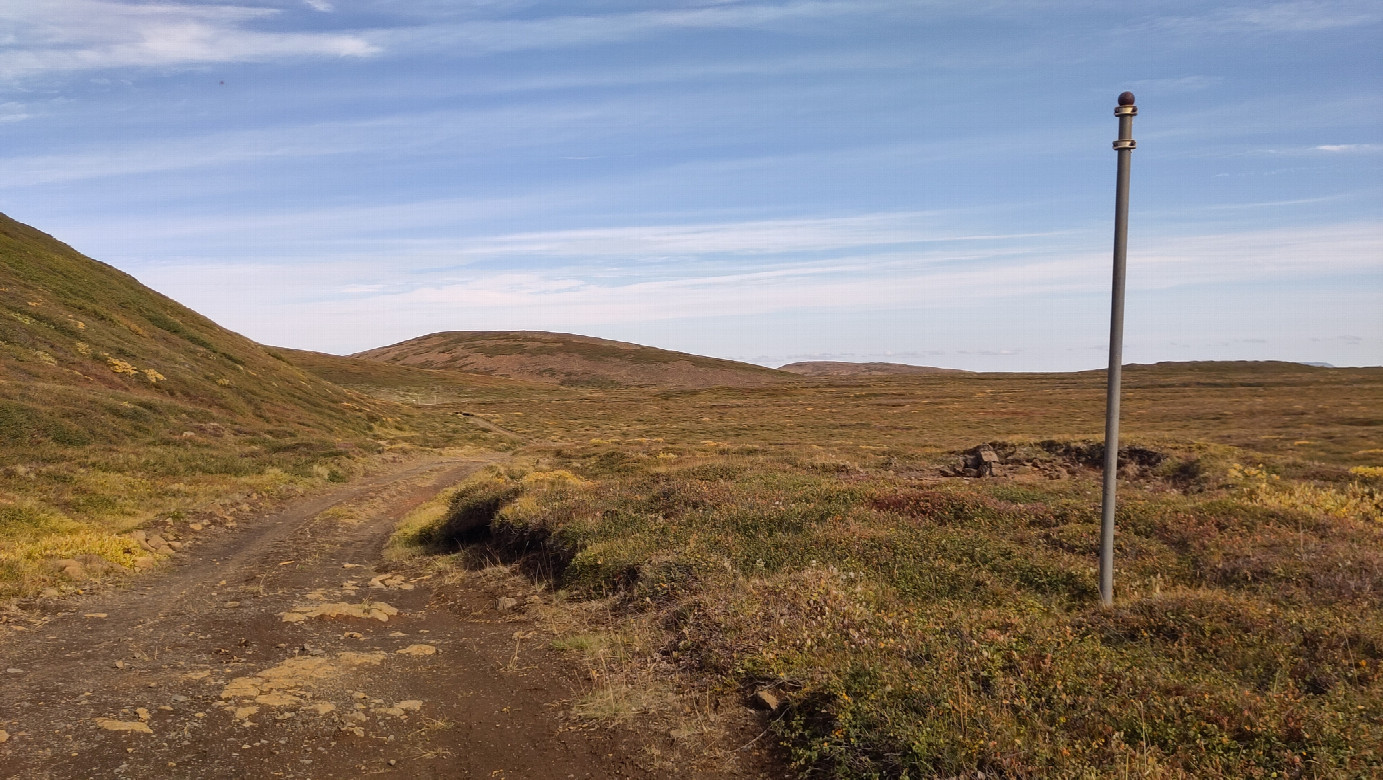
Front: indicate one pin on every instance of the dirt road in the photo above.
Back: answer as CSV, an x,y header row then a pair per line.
x,y
287,647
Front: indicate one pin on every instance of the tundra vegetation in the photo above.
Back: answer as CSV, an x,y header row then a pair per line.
x,y
820,543
811,544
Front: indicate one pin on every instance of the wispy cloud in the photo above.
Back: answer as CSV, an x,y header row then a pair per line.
x,y
1293,16
364,302
96,34
489,36
13,112
1354,148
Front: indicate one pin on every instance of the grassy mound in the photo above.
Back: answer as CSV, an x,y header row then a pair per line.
x,y
571,360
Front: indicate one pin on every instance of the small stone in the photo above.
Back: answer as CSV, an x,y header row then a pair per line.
x,y
195,526
95,614
323,707
411,705
418,650
14,670
765,700
392,762
142,713
244,713
4,736
505,603
134,726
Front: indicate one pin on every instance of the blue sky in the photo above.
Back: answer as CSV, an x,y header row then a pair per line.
x,y
922,182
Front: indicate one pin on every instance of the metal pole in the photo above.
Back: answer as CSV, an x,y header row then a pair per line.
x,y
1126,111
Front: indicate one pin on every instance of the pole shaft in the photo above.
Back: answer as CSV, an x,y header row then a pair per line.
x,y
1116,356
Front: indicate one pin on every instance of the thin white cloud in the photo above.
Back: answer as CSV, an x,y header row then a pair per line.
x,y
78,35
13,112
1355,148
488,36
320,5
365,302
1293,16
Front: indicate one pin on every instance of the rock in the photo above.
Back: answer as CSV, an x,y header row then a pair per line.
x,y
418,650
50,593
144,562
276,700
323,707
4,736
195,526
134,726
411,705
95,564
142,713
244,713
70,568
175,546
765,700
14,670
505,603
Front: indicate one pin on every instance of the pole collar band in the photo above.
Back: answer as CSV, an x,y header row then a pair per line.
x,y
1126,111
1125,144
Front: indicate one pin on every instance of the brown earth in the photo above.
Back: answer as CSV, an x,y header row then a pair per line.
x,y
840,368
289,647
567,359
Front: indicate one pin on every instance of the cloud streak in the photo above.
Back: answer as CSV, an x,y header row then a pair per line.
x,y
360,306
77,35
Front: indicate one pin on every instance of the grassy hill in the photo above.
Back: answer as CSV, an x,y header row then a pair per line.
x,y
119,406
819,368
570,360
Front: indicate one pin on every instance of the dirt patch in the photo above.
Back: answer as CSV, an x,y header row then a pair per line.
x,y
193,671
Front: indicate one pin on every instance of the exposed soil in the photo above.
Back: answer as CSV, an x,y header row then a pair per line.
x,y
288,647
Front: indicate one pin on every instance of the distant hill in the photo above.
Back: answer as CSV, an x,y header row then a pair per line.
x,y
820,368
396,382
89,355
567,359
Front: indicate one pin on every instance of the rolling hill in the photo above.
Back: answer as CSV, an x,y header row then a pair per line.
x,y
820,368
571,360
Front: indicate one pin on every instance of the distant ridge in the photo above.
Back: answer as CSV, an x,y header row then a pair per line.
x,y
571,360
818,368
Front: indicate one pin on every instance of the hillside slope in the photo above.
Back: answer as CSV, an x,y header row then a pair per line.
x,y
817,368
566,359
88,354
119,406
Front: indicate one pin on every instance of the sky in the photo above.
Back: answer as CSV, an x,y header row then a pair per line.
x,y
916,182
